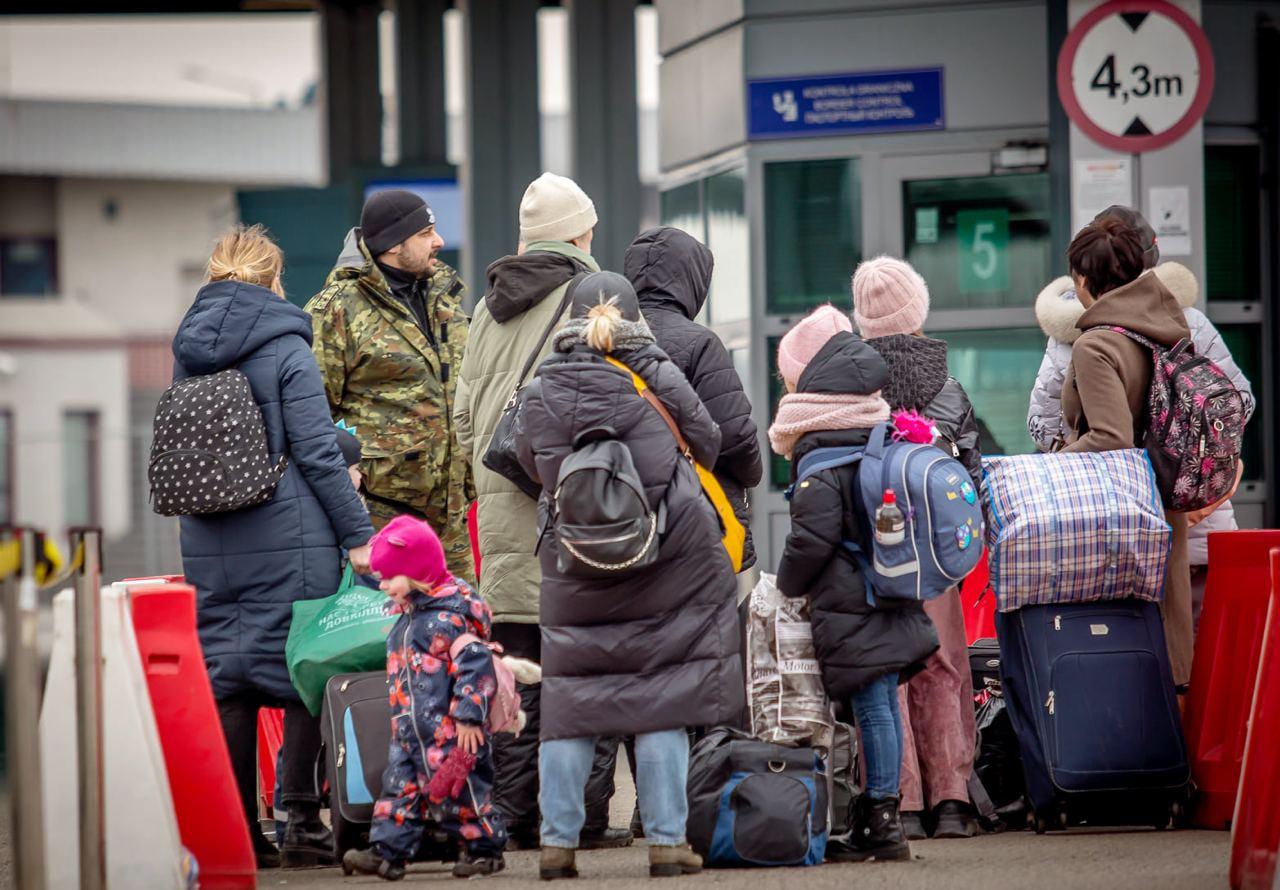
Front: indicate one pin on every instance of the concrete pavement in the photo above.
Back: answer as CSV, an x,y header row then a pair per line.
x,y
1078,860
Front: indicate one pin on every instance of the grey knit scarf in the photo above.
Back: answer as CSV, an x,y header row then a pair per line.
x,y
627,335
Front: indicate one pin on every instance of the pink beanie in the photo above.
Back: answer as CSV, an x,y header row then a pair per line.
x,y
889,297
408,546
803,341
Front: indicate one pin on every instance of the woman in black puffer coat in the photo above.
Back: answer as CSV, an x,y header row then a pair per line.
x,y
656,650
671,272
864,650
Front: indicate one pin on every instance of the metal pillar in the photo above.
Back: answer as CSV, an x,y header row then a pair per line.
x,y
503,148
1059,144
420,81
1268,78
353,100
89,772
606,153
22,715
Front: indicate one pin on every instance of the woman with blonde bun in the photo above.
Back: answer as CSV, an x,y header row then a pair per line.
x,y
651,650
249,566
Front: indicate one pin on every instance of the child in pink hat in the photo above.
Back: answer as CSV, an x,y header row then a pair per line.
x,y
890,306
439,707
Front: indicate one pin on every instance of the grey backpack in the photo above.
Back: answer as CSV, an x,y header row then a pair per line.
x,y
602,521
209,448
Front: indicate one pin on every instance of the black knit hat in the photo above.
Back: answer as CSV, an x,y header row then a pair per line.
x,y
588,290
392,216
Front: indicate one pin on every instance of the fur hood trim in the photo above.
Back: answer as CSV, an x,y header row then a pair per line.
x,y
1058,310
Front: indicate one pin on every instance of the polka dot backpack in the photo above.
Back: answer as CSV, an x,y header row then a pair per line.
x,y
209,448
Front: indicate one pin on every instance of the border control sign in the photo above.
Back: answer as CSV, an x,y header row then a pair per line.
x,y
864,102
1135,75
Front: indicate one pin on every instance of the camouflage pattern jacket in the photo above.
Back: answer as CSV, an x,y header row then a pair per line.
x,y
383,376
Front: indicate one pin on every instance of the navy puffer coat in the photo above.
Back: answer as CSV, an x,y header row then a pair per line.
x,y
249,566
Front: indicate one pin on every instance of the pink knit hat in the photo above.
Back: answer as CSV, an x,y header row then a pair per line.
x,y
803,341
889,297
408,546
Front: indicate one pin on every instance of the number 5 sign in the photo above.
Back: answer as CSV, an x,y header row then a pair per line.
x,y
1135,75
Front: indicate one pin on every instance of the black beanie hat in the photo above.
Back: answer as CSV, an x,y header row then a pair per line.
x,y
588,290
349,445
392,216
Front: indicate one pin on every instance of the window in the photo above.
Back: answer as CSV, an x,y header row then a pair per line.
x,y
730,241
779,466
981,242
1245,343
996,368
1231,215
7,461
28,267
681,207
813,233
80,478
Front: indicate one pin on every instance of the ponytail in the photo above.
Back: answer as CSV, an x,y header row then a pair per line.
x,y
248,254
602,320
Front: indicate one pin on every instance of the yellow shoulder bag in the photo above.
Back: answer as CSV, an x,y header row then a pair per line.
x,y
735,536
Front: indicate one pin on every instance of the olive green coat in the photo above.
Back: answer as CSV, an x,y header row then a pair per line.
x,y
383,376
508,518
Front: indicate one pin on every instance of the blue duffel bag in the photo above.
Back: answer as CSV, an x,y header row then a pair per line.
x,y
752,803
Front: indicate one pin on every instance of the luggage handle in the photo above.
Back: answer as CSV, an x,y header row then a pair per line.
x,y
777,766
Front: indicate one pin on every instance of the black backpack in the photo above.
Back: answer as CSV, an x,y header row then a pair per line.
x,y
209,448
602,521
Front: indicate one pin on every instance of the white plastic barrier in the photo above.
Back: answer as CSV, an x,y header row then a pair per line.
x,y
143,846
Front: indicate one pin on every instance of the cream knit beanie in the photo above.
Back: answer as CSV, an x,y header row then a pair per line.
x,y
889,297
554,208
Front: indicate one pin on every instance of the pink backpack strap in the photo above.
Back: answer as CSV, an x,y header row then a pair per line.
x,y
466,639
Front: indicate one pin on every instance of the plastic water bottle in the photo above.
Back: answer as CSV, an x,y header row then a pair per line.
x,y
890,523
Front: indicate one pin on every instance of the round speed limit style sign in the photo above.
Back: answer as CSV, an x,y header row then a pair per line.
x,y
1135,75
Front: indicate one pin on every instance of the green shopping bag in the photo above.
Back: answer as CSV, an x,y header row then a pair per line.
x,y
341,634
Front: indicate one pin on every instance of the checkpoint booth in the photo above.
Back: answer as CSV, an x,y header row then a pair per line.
x,y
800,137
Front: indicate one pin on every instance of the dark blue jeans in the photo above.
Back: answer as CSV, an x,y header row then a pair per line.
x,y
876,709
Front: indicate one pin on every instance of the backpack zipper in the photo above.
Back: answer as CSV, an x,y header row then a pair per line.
x,y
1049,702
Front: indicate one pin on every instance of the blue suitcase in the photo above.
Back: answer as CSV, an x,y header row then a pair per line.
x,y
1091,696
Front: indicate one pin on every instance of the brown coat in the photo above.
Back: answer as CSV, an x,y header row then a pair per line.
x,y
1103,399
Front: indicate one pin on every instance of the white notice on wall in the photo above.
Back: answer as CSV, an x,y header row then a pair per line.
x,y
1169,211
1096,185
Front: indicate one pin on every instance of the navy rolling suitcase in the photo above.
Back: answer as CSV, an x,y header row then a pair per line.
x,y
1090,693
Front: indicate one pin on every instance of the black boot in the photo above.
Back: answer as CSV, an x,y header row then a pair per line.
x,y
367,862
876,833
605,839
308,842
913,825
265,852
953,818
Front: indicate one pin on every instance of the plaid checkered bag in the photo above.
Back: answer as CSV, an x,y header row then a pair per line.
x,y
1074,528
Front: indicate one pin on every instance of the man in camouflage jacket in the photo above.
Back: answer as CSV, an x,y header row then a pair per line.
x,y
390,331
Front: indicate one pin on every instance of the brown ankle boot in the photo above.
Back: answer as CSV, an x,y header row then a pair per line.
x,y
555,863
671,862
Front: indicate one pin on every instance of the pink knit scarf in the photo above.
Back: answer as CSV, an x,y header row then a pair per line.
x,y
800,413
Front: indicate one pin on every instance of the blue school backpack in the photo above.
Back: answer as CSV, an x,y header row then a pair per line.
x,y
943,539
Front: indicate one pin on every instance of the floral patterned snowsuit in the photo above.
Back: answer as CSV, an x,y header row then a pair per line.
x,y
428,694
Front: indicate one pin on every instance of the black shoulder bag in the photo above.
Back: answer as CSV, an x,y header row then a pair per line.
x,y
500,456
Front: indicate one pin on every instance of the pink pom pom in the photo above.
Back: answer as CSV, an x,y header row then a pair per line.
x,y
912,426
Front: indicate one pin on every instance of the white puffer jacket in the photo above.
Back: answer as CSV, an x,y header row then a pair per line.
x,y
1058,310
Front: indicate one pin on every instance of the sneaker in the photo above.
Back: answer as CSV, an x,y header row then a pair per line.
x,y
607,839
913,825
308,842
876,834
954,819
478,867
671,862
367,862
556,862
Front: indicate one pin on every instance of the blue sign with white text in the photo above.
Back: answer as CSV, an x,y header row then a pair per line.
x,y
867,102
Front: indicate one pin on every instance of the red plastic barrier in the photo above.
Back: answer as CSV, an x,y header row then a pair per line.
x,y
978,603
270,738
1255,830
210,816
473,529
1228,642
